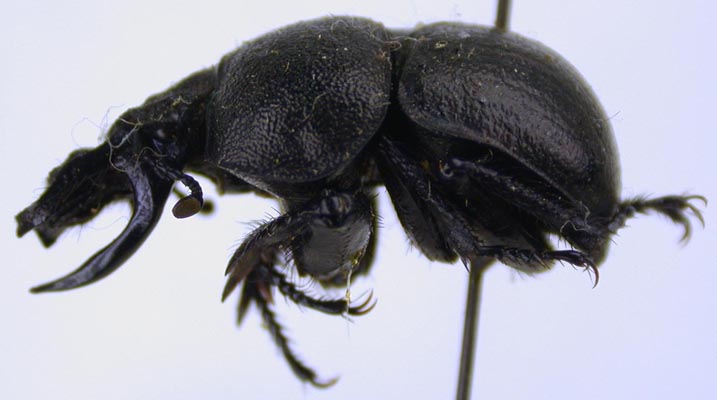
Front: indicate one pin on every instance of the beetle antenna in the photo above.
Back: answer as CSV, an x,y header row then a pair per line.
x,y
192,204
502,18
187,205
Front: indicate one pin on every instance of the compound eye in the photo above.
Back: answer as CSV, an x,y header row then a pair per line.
x,y
160,136
445,170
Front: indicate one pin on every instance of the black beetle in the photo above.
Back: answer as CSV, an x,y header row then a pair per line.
x,y
482,159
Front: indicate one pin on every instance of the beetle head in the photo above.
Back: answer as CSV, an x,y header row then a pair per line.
x,y
144,155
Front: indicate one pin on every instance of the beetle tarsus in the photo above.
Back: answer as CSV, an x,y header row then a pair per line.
x,y
674,207
276,331
333,307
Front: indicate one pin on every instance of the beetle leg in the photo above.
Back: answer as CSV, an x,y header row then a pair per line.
x,y
254,263
674,207
555,209
266,276
252,291
420,221
334,307
260,248
566,217
257,289
467,236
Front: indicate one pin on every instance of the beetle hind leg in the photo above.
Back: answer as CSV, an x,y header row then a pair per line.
x,y
677,208
556,212
555,209
475,230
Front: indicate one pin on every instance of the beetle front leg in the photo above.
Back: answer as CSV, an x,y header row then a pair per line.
x,y
257,291
254,263
260,248
259,251
327,306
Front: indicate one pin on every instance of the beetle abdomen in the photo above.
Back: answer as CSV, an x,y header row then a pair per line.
x,y
514,94
310,95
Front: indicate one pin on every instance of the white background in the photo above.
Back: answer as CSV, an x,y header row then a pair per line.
x,y
155,329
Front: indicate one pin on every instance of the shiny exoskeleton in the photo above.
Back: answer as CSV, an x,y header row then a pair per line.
x,y
487,142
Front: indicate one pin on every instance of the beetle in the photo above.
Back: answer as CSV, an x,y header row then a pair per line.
x,y
458,162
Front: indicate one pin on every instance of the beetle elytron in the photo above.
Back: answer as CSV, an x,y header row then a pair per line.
x,y
487,142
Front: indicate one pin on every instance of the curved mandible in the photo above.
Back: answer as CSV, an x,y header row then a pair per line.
x,y
150,192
